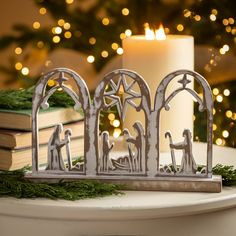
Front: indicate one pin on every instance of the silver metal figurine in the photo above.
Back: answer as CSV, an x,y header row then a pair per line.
x,y
139,167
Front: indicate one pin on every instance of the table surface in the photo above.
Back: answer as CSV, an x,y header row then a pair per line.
x,y
132,204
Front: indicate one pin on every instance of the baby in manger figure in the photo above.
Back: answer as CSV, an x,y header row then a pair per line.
x,y
55,144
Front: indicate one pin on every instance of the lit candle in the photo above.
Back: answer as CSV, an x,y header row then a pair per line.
x,y
153,57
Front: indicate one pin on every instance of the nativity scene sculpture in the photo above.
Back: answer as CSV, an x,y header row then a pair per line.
x,y
139,168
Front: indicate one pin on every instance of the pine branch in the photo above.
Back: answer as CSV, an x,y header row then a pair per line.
x,y
12,183
22,99
228,174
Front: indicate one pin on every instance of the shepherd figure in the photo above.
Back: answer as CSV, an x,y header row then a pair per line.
x,y
188,164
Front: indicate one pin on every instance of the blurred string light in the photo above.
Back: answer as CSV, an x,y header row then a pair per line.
x,y
104,54
60,22
114,46
18,50
56,39
18,66
36,25
42,11
68,34
116,133
90,59
92,40
111,116
221,135
66,26
125,11
69,1
51,83
25,71
119,51
105,21
180,27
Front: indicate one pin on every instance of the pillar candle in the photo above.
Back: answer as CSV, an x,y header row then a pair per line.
x,y
153,60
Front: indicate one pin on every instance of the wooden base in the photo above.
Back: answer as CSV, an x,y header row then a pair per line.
x,y
175,184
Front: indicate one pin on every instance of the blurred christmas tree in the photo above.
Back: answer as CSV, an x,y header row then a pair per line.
x,y
96,28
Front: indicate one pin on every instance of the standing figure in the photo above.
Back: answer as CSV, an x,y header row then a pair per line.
x,y
68,134
55,160
105,163
188,164
139,144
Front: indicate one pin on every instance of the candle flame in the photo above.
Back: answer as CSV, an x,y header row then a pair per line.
x,y
149,34
158,34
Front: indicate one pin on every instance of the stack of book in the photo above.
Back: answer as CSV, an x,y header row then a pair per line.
x,y
15,135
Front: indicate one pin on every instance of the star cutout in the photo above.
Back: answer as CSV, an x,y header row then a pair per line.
x,y
61,79
115,95
184,81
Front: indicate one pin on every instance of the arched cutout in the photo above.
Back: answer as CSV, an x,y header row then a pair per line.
x,y
205,104
40,99
100,103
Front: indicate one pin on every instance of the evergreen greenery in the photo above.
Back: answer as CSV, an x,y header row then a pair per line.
x,y
13,184
22,99
228,174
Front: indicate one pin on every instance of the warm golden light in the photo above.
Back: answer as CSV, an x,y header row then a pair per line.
x,y
51,83
36,25
25,71
18,50
114,46
159,34
226,92
125,11
111,116
90,59
66,26
116,133
105,21
18,66
42,11
56,39
60,22
92,40
149,34
119,51
104,54
67,34
116,123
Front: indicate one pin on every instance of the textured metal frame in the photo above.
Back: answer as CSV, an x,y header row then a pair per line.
x,y
142,162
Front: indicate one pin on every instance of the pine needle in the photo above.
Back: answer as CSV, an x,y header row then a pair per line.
x,y
13,184
22,99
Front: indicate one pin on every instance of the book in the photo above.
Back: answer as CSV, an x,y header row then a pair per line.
x,y
15,139
21,120
13,159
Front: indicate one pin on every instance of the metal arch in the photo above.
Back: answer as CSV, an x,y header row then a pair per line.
x,y
98,105
149,139
40,97
207,104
